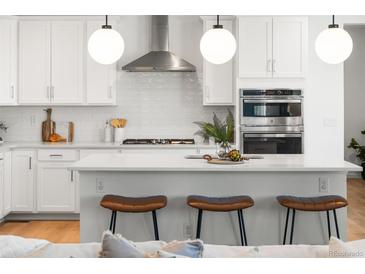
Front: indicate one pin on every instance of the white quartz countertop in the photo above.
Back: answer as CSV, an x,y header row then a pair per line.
x,y
177,162
94,145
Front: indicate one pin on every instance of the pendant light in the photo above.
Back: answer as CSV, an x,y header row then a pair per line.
x,y
333,45
218,45
106,45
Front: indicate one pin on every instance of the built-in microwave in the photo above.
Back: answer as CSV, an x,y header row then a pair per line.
x,y
271,107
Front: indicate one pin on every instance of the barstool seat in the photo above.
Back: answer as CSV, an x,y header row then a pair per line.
x,y
133,204
220,203
320,203
316,204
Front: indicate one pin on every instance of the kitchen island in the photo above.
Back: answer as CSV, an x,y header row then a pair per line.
x,y
137,174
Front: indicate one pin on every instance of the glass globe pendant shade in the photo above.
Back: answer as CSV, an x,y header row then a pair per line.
x,y
106,45
333,45
218,46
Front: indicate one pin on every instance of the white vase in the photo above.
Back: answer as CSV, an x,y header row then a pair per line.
x,y
118,135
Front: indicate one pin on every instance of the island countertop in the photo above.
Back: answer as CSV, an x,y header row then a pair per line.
x,y
177,162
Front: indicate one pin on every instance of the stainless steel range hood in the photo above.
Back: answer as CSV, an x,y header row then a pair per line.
x,y
159,58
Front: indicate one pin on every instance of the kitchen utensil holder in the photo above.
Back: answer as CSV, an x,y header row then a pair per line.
x,y
118,135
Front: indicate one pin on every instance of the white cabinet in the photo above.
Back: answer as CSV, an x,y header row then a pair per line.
x,y
255,51
289,46
67,42
51,62
8,62
34,62
7,183
218,79
1,187
23,177
100,79
273,47
56,187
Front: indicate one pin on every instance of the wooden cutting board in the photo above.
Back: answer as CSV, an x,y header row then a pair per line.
x,y
224,162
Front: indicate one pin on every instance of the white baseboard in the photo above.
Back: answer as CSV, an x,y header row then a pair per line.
x,y
42,216
354,175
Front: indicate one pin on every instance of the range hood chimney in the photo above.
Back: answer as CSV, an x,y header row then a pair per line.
x,y
159,58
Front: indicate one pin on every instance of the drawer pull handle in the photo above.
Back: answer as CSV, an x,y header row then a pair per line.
x,y
30,163
72,175
56,155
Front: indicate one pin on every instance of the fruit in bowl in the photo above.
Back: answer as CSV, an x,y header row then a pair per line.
x,y
235,155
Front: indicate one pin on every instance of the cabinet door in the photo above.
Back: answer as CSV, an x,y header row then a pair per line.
x,y
255,47
218,79
8,61
7,183
23,165
55,188
67,62
289,46
1,189
100,79
34,62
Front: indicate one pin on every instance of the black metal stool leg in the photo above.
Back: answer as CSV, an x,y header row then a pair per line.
x,y
240,224
337,231
114,221
328,224
199,226
286,224
292,227
243,227
111,221
155,225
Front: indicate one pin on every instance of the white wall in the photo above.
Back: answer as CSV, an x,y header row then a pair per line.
x,y
355,91
155,104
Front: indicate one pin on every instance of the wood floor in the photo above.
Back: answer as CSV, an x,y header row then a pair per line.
x,y
68,231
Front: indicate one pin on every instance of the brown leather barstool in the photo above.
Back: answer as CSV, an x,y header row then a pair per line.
x,y
221,204
133,205
316,204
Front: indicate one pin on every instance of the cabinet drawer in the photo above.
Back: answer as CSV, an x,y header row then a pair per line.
x,y
57,155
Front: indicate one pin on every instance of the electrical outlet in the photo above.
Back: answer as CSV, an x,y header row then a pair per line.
x,y
99,186
188,231
324,184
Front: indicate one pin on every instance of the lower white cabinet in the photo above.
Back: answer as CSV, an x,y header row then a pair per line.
x,y
56,188
7,184
22,179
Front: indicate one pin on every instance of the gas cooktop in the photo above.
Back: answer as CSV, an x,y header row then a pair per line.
x,y
158,142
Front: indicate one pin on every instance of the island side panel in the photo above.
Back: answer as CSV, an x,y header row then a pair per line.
x,y
264,222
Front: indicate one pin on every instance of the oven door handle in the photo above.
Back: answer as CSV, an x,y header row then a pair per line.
x,y
277,135
272,101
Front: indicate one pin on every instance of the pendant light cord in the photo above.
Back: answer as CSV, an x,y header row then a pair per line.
x,y
333,25
333,19
217,26
106,26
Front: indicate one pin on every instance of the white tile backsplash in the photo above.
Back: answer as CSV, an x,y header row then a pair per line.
x,y
156,105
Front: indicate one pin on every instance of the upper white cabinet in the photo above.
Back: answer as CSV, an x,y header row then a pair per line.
x,y
67,42
100,79
8,61
218,79
23,177
51,62
273,47
34,62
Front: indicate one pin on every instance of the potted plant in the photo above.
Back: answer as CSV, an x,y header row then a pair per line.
x,y
360,153
3,127
221,131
